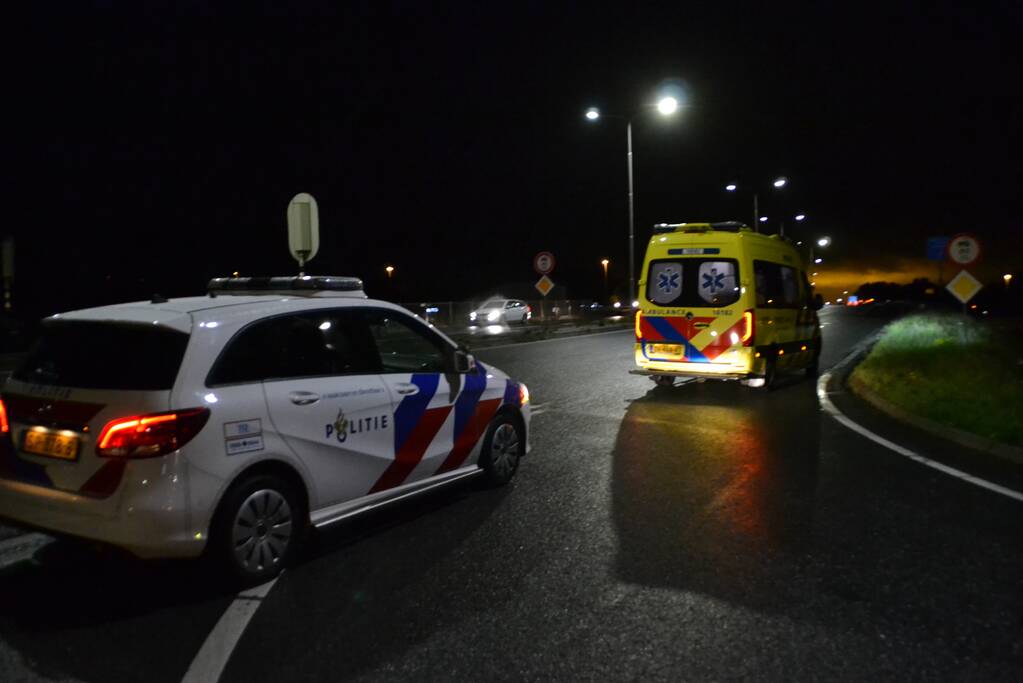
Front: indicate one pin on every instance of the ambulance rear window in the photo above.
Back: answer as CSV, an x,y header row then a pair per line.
x,y
89,354
693,282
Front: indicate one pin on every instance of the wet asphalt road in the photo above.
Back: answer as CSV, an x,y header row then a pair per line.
x,y
710,531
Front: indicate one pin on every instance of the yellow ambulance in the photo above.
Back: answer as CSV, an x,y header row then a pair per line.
x,y
718,300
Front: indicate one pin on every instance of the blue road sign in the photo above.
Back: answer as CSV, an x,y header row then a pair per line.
x,y
937,248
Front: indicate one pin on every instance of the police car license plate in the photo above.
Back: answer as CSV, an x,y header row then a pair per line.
x,y
51,445
666,349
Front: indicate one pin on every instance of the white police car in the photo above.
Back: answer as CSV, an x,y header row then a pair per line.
x,y
234,422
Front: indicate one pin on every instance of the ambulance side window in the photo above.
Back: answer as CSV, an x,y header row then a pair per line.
x,y
777,285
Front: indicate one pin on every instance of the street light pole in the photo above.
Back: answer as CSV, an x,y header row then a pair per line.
x,y
632,222
666,106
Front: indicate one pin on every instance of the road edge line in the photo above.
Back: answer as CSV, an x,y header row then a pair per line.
x,y
211,659
829,407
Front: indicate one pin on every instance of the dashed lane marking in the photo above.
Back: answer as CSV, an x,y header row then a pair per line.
x,y
212,657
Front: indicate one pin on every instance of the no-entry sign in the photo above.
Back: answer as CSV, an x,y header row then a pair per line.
x,y
543,262
964,249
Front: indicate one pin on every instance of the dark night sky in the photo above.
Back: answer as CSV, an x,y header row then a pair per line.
x,y
160,147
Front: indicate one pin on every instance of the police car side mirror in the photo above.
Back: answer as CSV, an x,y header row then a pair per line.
x,y
818,302
464,361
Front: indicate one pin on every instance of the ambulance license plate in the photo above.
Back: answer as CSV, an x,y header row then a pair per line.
x,y
51,445
666,349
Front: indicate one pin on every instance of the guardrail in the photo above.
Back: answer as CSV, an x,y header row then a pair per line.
x,y
456,313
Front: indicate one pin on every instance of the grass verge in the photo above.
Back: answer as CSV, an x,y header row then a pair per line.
x,y
953,370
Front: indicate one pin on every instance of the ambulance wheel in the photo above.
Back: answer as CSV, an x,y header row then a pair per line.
x,y
503,445
770,374
813,369
665,381
258,528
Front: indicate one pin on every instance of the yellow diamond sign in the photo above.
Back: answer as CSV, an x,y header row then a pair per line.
x,y
544,285
964,286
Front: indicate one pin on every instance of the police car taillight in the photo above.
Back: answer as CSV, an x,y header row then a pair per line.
x,y
147,436
747,328
4,426
639,317
523,395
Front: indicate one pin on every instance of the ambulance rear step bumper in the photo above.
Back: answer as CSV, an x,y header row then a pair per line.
x,y
690,373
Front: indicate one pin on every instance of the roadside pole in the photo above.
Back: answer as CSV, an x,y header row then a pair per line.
x,y
543,263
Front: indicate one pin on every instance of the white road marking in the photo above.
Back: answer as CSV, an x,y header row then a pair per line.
x,y
831,409
21,548
212,657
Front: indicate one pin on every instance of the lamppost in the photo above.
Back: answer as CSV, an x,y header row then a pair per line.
x,y
390,271
777,184
822,242
605,262
666,106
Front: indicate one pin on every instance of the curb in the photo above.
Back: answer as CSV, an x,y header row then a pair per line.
x,y
963,438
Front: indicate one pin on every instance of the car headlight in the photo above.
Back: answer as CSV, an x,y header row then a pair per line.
x,y
493,315
472,316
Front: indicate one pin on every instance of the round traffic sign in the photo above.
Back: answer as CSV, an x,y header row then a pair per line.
x,y
964,249
543,262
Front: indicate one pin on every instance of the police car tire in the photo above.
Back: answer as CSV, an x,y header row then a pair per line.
x,y
664,381
499,464
272,489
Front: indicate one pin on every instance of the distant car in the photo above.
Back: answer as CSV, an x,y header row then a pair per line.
x,y
233,422
501,311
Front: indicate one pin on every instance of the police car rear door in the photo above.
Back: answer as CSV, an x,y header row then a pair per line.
x,y
329,403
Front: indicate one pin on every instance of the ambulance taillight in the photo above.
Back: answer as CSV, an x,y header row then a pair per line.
x,y
747,327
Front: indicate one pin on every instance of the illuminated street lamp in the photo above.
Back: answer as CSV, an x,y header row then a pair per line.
x,y
666,106
605,262
778,183
821,242
1008,278
800,216
390,271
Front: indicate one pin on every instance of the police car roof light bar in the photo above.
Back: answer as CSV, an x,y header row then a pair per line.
x,y
305,285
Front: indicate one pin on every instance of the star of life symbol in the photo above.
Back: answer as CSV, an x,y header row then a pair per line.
x,y
713,280
667,280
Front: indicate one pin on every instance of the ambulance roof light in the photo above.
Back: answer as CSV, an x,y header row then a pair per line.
x,y
724,226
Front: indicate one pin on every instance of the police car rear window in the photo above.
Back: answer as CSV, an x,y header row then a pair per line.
x,y
693,282
104,355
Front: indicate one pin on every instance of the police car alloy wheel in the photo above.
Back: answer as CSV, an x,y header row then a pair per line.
x,y
259,528
502,449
